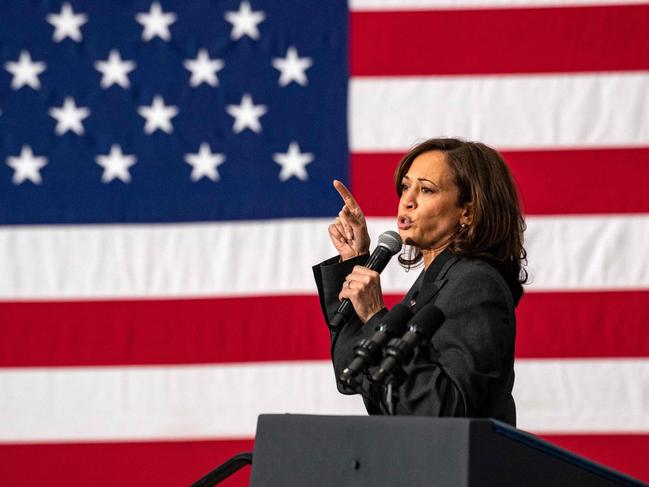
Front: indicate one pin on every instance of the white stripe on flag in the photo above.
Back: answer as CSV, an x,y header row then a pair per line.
x,y
588,252
508,112
564,396
172,402
223,401
274,258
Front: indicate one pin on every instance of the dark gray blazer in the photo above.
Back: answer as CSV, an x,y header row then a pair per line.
x,y
467,369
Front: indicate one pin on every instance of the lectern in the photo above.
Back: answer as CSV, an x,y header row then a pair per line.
x,y
354,451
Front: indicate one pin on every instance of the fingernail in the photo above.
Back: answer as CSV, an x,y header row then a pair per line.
x,y
349,236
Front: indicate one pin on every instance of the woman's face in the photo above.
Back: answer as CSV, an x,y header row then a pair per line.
x,y
428,211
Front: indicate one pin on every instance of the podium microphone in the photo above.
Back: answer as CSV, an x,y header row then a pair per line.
x,y
368,352
389,245
399,351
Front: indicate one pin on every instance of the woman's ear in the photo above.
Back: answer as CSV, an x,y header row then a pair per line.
x,y
466,218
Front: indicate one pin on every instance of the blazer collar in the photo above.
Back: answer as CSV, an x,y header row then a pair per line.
x,y
434,278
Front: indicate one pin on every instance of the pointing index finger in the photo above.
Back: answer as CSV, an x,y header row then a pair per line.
x,y
346,195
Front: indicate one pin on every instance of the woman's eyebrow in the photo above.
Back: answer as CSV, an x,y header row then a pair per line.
x,y
427,180
405,176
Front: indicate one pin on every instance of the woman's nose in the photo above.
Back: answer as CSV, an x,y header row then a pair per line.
x,y
407,200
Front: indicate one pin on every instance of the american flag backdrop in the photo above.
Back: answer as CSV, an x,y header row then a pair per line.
x,y
165,187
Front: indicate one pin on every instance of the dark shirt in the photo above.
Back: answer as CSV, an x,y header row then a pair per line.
x,y
467,367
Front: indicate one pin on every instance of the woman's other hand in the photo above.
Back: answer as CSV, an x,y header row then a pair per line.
x,y
348,232
363,288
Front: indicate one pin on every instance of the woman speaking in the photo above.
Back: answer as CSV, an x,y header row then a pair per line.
x,y
458,215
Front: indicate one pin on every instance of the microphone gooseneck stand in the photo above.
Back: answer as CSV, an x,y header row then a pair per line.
x,y
368,351
400,351
391,397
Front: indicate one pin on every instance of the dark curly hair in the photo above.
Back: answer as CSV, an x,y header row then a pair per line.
x,y
484,180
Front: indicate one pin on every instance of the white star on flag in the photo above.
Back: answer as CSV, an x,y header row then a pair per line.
x,y
25,71
203,69
114,70
116,165
246,115
244,21
156,23
69,117
67,24
293,162
292,67
205,163
158,116
26,166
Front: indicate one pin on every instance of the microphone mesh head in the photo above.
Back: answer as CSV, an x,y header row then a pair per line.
x,y
391,241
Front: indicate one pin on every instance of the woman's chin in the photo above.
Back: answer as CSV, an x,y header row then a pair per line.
x,y
408,241
408,237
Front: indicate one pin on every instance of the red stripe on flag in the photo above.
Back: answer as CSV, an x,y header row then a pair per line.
x,y
583,325
492,41
589,181
550,325
597,181
110,464
162,331
182,462
625,453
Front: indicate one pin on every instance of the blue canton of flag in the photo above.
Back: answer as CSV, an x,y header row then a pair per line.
x,y
171,111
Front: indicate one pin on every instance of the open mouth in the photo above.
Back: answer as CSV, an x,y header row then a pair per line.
x,y
404,223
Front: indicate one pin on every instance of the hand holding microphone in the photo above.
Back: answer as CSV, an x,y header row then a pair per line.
x,y
361,291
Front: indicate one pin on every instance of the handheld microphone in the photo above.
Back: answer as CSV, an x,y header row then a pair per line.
x,y
367,352
389,245
399,351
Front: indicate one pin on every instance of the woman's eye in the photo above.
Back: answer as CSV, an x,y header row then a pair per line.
x,y
426,190
404,186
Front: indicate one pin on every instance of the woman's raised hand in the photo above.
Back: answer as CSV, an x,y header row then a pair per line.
x,y
348,232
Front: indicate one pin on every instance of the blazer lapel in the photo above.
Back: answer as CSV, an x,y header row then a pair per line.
x,y
432,284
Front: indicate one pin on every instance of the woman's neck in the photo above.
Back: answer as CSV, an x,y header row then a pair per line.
x,y
431,254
